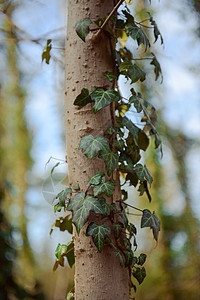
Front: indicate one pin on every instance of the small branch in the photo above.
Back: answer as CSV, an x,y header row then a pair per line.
x,y
109,17
130,205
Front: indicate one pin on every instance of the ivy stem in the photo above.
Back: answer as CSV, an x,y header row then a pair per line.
x,y
130,205
109,17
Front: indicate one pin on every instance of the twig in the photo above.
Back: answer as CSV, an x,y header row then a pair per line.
x,y
109,17
130,205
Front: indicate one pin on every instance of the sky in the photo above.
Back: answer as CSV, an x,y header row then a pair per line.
x,y
179,95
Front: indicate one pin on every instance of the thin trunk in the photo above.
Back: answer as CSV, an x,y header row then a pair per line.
x,y
97,275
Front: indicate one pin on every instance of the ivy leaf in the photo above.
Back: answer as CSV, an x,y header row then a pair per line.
x,y
119,255
141,259
123,215
157,68
98,233
143,173
156,30
96,179
60,250
139,274
103,98
129,17
70,254
46,52
128,257
133,179
117,229
143,187
134,130
92,146
81,207
83,98
64,224
62,196
143,140
104,187
105,206
132,71
111,160
135,99
138,34
152,221
76,187
110,76
131,229
82,28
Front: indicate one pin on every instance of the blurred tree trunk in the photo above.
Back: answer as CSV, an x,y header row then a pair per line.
x,y
97,275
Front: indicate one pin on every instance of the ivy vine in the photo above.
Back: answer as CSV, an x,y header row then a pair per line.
x,y
120,147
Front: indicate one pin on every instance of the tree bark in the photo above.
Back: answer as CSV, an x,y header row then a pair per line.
x,y
97,275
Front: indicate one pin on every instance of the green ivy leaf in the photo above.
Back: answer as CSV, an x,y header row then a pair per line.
x,y
64,223
119,255
82,28
92,146
105,206
131,229
103,98
81,207
141,259
157,68
152,221
132,71
111,160
76,187
98,233
110,76
138,34
117,229
128,257
96,179
70,254
60,250
104,187
46,52
143,187
63,196
139,274
83,98
122,214
135,99
143,173
133,129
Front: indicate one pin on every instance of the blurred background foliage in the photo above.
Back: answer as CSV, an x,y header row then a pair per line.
x,y
32,130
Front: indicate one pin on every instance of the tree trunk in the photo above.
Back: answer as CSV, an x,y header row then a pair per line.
x,y
97,275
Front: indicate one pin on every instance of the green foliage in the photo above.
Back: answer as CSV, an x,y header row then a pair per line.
x,y
46,52
132,71
103,98
92,146
99,234
138,34
64,251
81,205
110,76
139,274
106,187
82,28
83,98
152,221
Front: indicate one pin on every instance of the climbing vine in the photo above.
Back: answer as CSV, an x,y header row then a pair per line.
x,y
120,147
